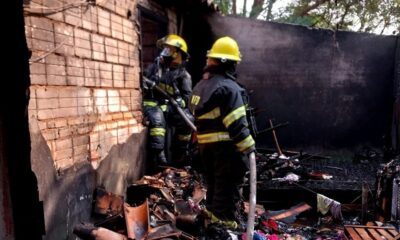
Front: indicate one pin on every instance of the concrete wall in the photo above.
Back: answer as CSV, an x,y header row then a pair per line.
x,y
335,88
85,114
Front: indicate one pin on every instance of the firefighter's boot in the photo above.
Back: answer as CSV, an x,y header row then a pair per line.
x,y
161,160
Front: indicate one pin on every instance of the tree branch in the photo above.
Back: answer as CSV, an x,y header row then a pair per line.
x,y
269,9
312,7
346,11
385,25
256,8
244,8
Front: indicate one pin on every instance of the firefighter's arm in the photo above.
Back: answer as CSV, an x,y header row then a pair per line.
x,y
151,73
233,112
185,87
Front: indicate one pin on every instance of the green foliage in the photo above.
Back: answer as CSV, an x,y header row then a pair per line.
x,y
375,16
225,6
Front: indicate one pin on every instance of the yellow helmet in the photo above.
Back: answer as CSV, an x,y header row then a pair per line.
x,y
175,41
225,48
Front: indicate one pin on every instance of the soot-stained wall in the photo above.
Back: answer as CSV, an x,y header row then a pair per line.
x,y
334,88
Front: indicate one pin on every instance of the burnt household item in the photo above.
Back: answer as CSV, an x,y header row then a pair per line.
x,y
136,194
362,232
114,223
164,231
190,223
102,201
137,220
385,177
107,203
288,215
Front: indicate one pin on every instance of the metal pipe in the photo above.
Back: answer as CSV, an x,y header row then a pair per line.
x,y
252,197
272,128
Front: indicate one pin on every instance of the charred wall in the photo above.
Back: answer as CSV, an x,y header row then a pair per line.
x,y
197,32
396,109
21,214
335,88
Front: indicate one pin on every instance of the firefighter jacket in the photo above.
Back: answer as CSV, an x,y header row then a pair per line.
x,y
176,81
220,112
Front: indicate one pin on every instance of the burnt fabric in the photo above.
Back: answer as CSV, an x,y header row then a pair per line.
x,y
326,204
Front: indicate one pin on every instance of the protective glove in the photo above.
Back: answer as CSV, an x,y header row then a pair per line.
x,y
180,102
148,85
153,80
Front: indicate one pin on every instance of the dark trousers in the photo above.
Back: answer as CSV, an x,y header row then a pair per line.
x,y
156,119
182,136
224,169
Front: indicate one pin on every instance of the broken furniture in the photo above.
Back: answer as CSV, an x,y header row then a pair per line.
x,y
363,232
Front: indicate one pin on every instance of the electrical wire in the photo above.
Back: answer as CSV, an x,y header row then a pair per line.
x,y
52,50
48,53
42,10
53,10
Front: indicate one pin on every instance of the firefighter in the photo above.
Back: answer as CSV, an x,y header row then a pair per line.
x,y
169,73
224,139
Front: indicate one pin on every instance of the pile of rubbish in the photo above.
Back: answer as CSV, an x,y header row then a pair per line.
x,y
288,168
170,205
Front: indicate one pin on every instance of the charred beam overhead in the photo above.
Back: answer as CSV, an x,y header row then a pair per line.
x,y
152,15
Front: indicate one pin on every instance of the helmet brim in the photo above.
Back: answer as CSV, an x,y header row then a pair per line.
x,y
224,56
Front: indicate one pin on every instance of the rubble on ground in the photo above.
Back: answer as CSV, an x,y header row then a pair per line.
x,y
170,204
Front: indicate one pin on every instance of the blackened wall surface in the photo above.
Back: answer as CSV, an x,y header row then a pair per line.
x,y
21,209
396,109
334,88
197,32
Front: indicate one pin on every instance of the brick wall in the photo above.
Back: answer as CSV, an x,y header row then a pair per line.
x,y
85,115
85,94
